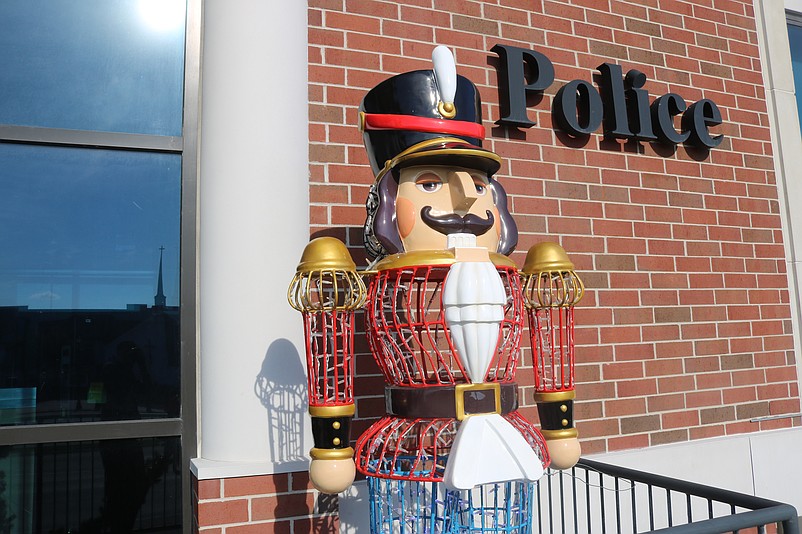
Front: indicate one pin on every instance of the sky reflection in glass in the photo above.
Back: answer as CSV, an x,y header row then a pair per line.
x,y
93,64
795,39
82,228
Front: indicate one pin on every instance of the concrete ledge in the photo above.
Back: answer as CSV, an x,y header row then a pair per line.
x,y
204,469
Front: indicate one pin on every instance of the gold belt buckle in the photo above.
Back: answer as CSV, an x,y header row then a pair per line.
x,y
460,390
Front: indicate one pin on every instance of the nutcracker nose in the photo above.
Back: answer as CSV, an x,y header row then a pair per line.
x,y
463,191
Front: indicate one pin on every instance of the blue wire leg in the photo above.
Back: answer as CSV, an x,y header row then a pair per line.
x,y
409,507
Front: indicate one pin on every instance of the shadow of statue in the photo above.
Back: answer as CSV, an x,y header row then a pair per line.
x,y
281,388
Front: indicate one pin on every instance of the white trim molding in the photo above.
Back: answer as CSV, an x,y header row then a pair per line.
x,y
786,138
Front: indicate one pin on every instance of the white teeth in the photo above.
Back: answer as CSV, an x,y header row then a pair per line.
x,y
474,299
460,240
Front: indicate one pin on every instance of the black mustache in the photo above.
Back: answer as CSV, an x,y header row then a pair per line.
x,y
452,223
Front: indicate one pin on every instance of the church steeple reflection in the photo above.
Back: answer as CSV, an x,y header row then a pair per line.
x,y
160,301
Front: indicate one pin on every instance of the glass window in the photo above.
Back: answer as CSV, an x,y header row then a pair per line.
x,y
93,64
121,485
86,227
795,40
92,157
89,326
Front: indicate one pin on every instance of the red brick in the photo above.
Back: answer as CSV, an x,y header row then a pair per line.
x,y
208,489
613,168
674,384
710,347
637,441
772,391
620,334
741,395
626,280
782,407
321,524
660,297
300,481
323,37
689,418
622,407
632,388
664,367
222,512
640,424
625,245
654,230
707,431
598,427
373,43
596,391
660,333
282,506
666,247
670,436
570,208
613,228
636,40
255,485
660,403
623,370
661,214
274,527
385,10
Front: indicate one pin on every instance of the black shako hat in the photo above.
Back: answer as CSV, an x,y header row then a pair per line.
x,y
411,119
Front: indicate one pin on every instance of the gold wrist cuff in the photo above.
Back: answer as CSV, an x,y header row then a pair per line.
x,y
565,433
331,454
339,410
555,396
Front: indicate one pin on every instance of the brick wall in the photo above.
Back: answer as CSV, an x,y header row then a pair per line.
x,y
685,332
282,503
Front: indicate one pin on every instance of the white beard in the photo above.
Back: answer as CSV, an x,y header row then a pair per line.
x,y
474,299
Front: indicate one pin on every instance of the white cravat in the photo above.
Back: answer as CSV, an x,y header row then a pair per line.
x,y
487,447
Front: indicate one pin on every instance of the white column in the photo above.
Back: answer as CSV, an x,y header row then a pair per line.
x,y
254,223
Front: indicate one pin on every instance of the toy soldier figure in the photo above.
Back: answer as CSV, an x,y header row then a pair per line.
x,y
445,312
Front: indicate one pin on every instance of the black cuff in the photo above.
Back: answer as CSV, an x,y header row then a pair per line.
x,y
556,415
331,432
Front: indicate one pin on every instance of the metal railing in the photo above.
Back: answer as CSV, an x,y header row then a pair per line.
x,y
595,497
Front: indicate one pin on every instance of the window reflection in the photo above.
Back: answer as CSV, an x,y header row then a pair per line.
x,y
93,64
126,485
89,281
795,40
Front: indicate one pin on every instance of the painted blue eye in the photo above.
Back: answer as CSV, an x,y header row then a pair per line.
x,y
480,182
429,186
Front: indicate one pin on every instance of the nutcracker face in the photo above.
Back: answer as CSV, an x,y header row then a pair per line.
x,y
434,201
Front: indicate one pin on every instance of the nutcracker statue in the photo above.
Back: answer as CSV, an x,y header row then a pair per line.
x,y
446,312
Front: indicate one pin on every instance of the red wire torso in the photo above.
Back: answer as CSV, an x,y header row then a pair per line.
x,y
410,340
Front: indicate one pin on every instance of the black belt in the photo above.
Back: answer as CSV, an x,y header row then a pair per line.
x,y
451,402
